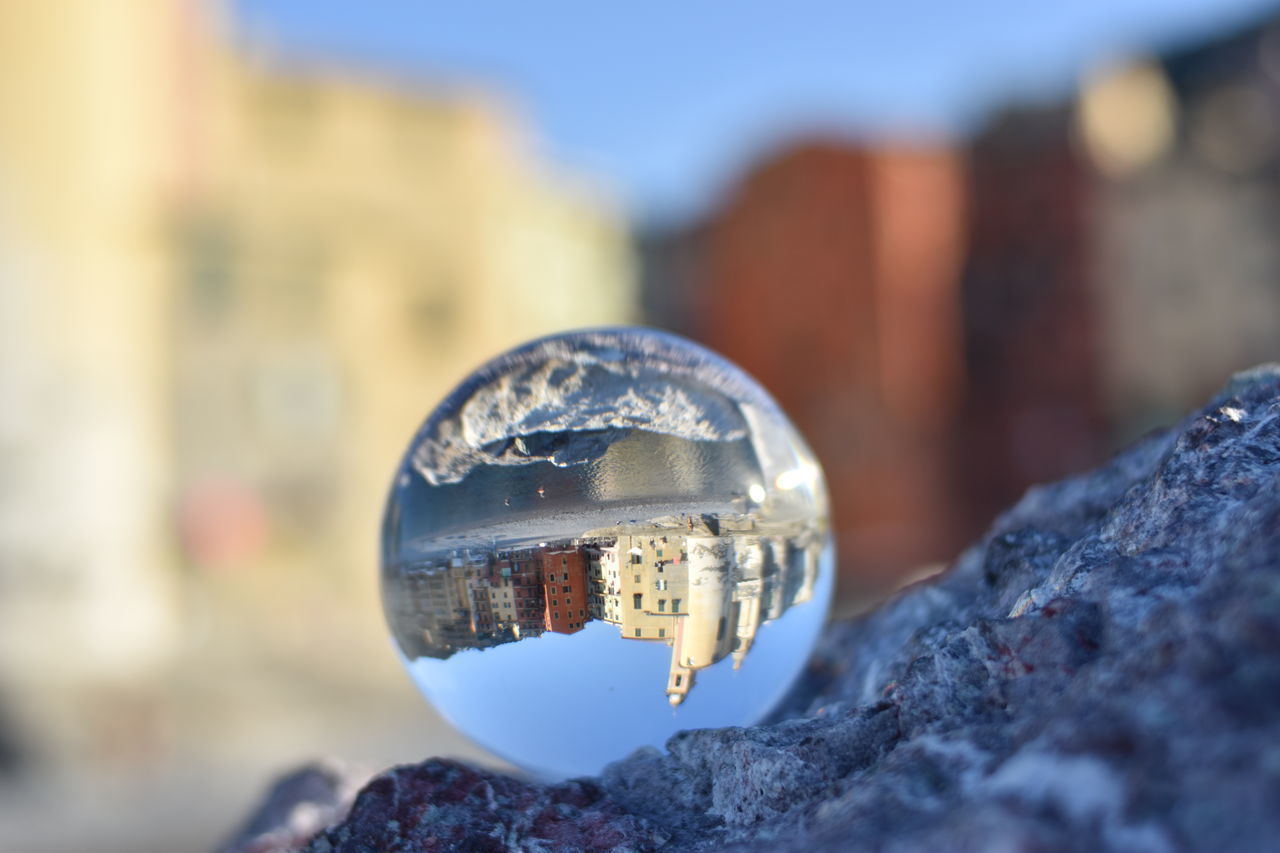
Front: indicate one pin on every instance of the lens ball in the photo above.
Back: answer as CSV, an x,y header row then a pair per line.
x,y
602,538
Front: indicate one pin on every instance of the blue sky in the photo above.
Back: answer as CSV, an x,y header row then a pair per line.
x,y
664,103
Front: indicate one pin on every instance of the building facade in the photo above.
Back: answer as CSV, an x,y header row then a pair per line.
x,y
830,272
241,282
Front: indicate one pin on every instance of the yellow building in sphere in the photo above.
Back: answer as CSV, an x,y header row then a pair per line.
x,y
230,289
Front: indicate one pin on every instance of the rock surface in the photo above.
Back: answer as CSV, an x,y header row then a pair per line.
x,y
1101,671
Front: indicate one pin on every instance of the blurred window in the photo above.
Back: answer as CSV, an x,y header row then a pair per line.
x,y
210,268
433,309
421,133
288,112
295,285
1235,128
297,395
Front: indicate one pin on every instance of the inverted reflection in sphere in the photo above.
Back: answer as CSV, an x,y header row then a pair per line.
x,y
602,538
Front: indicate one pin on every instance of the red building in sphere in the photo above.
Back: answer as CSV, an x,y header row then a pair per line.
x,y
564,588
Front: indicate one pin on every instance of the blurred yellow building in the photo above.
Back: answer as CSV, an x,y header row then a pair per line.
x,y
230,288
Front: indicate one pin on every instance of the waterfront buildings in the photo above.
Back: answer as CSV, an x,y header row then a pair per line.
x,y
704,590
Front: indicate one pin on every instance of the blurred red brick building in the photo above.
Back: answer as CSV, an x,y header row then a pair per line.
x,y
831,274
923,315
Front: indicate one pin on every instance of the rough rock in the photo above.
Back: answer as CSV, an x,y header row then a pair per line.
x,y
1101,671
297,807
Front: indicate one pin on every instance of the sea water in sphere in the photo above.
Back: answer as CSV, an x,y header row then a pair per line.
x,y
602,538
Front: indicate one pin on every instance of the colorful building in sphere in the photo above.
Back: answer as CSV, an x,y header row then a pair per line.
x,y
565,593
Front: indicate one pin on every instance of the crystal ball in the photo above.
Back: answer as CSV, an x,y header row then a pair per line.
x,y
602,538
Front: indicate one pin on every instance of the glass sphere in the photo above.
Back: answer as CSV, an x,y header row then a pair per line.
x,y
602,538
